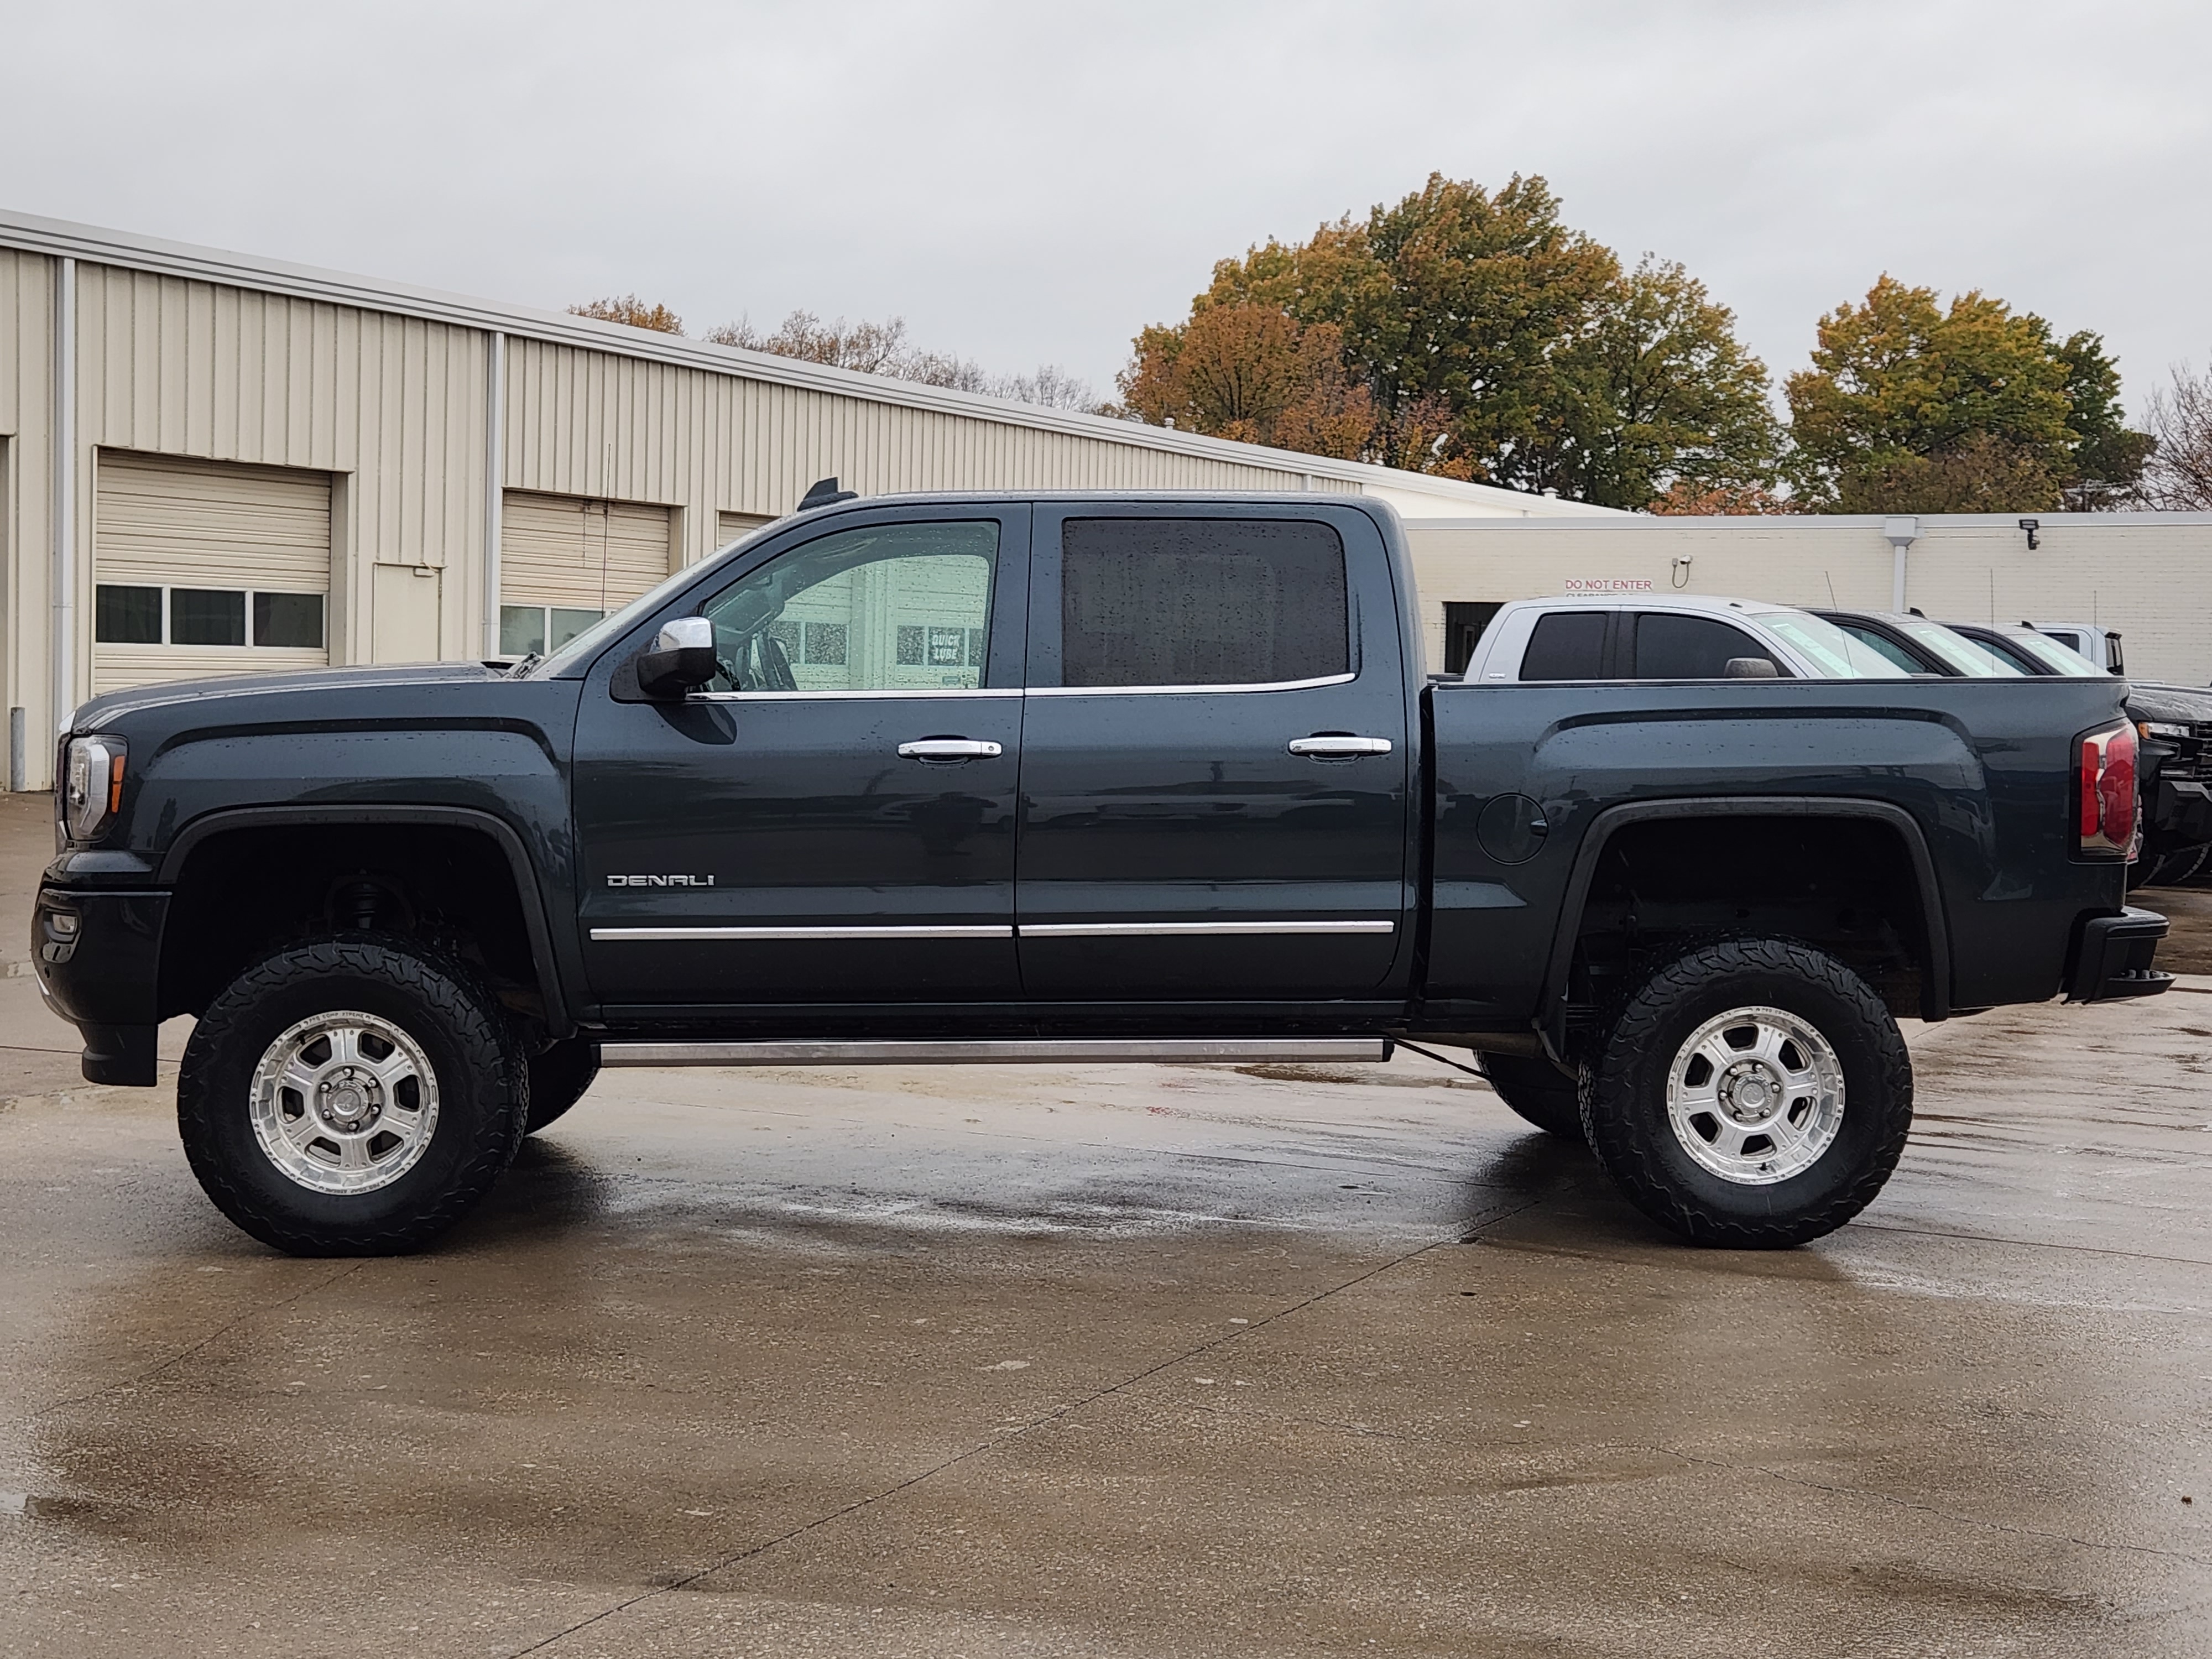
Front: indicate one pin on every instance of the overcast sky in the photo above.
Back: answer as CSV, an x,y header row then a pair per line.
x,y
1032,183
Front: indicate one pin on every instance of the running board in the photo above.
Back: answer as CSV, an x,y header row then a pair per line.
x,y
1019,1051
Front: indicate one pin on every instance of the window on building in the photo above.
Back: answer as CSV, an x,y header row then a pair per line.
x,y
888,607
1202,602
540,628
128,614
1567,645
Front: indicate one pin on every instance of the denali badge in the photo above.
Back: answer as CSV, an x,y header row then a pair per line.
x,y
660,881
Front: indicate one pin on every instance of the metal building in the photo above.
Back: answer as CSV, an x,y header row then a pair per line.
x,y
211,463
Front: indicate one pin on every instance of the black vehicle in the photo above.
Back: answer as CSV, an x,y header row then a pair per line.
x,y
1031,777
2174,723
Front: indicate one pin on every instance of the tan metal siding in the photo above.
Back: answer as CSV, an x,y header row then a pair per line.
x,y
159,521
592,424
27,302
393,405
588,555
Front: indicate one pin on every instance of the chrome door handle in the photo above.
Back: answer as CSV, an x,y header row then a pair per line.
x,y
949,749
1334,747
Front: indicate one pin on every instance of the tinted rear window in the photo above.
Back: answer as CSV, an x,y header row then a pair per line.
x,y
1567,645
1671,647
1201,602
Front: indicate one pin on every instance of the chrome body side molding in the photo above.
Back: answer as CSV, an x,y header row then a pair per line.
x,y
1018,1051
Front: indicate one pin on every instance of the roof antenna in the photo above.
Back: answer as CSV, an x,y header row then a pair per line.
x,y
1831,581
825,493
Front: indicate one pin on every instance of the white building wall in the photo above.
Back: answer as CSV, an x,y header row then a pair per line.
x,y
2147,575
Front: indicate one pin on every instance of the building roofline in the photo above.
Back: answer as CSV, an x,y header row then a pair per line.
x,y
95,244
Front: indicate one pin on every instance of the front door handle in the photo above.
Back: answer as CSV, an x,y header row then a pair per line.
x,y
950,748
1334,747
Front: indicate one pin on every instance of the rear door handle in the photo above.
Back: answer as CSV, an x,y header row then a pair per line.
x,y
950,748
1338,748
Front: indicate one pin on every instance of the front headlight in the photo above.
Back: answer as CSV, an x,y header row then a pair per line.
x,y
92,784
2162,729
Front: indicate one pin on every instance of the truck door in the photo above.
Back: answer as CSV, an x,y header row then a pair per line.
x,y
1215,764
832,821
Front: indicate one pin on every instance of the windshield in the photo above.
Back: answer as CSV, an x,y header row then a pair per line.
x,y
1975,660
1827,647
2058,659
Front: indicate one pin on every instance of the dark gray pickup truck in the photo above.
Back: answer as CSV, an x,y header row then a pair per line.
x,y
1040,778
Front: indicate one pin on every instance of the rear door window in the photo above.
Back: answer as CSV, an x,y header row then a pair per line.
x,y
1202,602
1567,645
1678,648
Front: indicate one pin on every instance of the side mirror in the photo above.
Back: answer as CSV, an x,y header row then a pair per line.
x,y
1750,668
681,658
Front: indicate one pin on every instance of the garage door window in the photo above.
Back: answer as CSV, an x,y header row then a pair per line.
x,y
128,614
525,630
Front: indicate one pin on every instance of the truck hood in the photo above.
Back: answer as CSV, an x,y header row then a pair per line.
x,y
2187,704
206,696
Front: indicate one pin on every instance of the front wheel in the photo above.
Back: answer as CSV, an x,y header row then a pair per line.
x,y
353,1096
1754,1093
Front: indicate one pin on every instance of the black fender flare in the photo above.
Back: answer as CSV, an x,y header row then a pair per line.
x,y
559,1023
1935,984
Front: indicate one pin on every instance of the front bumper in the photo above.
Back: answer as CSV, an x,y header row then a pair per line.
x,y
2113,958
98,960
2181,812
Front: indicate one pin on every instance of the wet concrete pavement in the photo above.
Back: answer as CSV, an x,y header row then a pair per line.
x,y
1121,1361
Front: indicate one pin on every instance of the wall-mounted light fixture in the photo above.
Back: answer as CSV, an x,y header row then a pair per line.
x,y
2032,526
1681,572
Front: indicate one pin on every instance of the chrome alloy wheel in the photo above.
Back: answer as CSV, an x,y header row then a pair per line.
x,y
1755,1096
344,1102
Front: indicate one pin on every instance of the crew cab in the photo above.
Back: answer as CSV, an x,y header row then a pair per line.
x,y
1032,777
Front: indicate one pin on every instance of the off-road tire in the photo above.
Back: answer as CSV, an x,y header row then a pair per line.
x,y
482,1079
1537,1090
1624,1109
558,1076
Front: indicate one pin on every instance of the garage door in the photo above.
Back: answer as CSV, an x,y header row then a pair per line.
x,y
565,562
204,567
735,526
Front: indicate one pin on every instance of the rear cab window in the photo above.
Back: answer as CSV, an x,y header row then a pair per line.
x,y
1669,646
1567,644
1202,602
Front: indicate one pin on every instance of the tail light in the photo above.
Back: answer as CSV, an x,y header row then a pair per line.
x,y
2107,783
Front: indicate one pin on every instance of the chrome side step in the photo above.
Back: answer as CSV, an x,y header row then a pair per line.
x,y
1018,1051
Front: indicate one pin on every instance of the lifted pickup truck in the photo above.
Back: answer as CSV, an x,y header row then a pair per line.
x,y
973,778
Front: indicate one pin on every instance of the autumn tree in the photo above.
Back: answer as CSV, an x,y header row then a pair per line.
x,y
2179,476
1493,343
882,349
1914,406
629,309
1254,373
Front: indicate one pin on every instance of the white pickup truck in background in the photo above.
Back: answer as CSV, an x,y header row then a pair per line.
x,y
1677,637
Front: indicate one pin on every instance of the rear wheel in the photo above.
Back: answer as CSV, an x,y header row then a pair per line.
x,y
1754,1093
353,1096
1537,1090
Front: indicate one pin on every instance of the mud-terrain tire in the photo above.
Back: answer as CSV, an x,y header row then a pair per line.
x,y
1736,1043
1537,1090
351,1096
558,1076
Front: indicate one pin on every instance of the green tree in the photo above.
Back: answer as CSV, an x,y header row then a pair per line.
x,y
1496,343
1914,406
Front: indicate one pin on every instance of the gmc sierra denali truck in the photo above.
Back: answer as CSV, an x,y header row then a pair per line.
x,y
970,778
